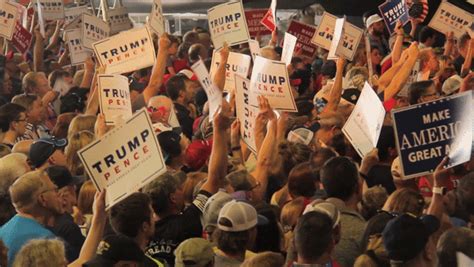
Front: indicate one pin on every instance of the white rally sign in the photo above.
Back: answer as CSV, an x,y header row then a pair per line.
x,y
93,30
77,53
124,160
125,52
114,95
214,95
227,24
236,64
8,17
450,18
365,122
157,20
245,112
118,20
72,13
270,79
350,40
254,48
51,9
288,48
336,43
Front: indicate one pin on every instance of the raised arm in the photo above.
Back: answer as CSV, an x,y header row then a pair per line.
x,y
336,91
93,99
388,75
218,159
54,41
440,177
89,68
449,44
156,79
96,231
219,77
38,50
398,45
401,77
466,66
264,158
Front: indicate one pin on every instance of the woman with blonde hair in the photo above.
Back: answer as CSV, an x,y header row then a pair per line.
x,y
290,213
83,216
41,253
405,200
76,142
81,123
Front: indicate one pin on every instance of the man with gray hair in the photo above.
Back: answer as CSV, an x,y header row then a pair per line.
x,y
12,166
36,200
452,241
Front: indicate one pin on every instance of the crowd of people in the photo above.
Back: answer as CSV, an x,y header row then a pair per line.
x,y
305,198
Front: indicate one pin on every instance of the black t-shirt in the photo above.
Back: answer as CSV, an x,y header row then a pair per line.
x,y
381,175
66,229
185,120
172,230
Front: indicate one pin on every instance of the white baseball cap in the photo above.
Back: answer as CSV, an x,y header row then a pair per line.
x,y
397,171
240,215
372,19
452,84
327,208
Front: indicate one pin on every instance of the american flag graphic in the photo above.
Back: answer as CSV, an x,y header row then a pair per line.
x,y
418,9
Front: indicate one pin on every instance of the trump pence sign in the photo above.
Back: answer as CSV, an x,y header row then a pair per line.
x,y
125,159
227,24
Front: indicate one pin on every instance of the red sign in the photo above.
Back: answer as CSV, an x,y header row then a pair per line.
x,y
304,33
21,38
268,20
253,17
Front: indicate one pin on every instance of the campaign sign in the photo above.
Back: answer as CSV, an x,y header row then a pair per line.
x,y
71,13
350,40
254,48
236,64
93,30
393,11
8,18
245,112
114,96
214,95
335,49
77,53
21,38
427,132
450,18
269,19
227,24
51,9
365,122
270,79
125,52
74,24
253,18
304,33
118,20
289,45
125,159
157,20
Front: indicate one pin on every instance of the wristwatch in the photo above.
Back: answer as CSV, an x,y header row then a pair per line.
x,y
440,190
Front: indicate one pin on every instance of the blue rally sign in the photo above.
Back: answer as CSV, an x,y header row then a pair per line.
x,y
427,132
392,11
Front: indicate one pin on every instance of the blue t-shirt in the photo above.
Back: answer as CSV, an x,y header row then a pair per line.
x,y
18,231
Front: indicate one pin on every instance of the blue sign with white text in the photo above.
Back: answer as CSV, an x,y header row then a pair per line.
x,y
392,11
429,131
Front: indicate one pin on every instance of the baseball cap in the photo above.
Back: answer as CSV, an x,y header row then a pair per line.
x,y
193,252
452,84
237,216
303,135
372,19
115,248
169,143
327,208
197,153
405,236
396,170
43,148
62,177
188,74
211,210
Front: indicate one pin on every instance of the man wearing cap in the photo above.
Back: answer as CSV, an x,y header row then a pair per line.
x,y
36,200
376,29
236,232
64,225
47,151
196,252
409,240
182,89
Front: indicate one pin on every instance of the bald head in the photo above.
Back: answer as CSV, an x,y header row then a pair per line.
x,y
12,166
22,147
162,106
25,190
